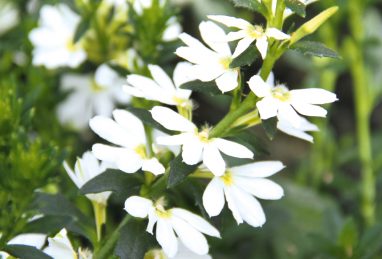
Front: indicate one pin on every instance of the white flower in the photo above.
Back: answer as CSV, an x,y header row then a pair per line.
x,y
281,102
35,240
161,88
183,253
187,226
92,95
196,145
210,64
85,169
238,186
60,248
53,39
300,131
140,5
9,16
128,132
249,33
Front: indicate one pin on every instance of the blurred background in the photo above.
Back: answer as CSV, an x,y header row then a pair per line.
x,y
333,188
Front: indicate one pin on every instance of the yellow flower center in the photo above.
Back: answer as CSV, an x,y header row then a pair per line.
x,y
204,135
160,210
71,46
96,88
141,151
225,62
281,92
227,178
255,31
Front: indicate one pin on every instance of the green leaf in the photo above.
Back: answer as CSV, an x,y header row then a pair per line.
x,y
25,252
134,240
249,139
314,48
370,243
145,116
246,58
179,171
48,224
296,6
202,87
348,237
82,28
270,127
121,184
253,5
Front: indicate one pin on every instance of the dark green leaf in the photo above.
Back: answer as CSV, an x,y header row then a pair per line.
x,y
370,243
246,58
121,184
134,240
25,252
179,171
202,87
145,116
82,28
270,127
314,49
48,224
253,5
296,6
249,139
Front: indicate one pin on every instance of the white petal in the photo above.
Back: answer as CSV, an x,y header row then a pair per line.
x,y
233,149
197,55
230,21
185,253
228,81
271,79
259,87
214,36
258,169
287,113
299,132
183,74
172,120
175,140
161,77
232,205
192,151
138,206
130,162
189,236
268,107
196,221
72,175
152,165
242,46
310,109
213,197
209,71
261,188
262,46
131,124
35,240
213,160
313,96
236,35
277,34
166,237
108,153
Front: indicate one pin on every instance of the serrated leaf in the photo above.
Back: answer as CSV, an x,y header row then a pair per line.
x,y
296,6
82,28
121,184
314,48
270,127
134,240
179,171
145,116
25,252
246,58
253,5
202,87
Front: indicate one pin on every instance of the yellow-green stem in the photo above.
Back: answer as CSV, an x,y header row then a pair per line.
x,y
100,217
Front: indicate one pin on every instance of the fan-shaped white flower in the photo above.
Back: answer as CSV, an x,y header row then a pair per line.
x,y
249,33
9,16
92,95
86,168
210,64
196,145
53,39
161,88
187,226
128,132
279,101
238,186
60,248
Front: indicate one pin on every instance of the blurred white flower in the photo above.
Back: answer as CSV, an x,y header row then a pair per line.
x,y
139,5
161,88
187,226
279,101
128,132
183,253
239,185
9,16
249,33
86,168
60,248
35,240
53,39
210,64
92,95
196,145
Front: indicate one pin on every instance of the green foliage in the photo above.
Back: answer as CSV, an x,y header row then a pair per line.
x,y
246,58
313,48
25,252
296,6
179,171
202,87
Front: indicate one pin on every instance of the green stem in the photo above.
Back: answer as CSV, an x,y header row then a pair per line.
x,y
100,217
106,250
237,94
